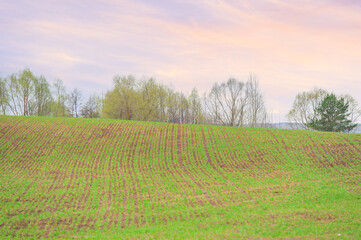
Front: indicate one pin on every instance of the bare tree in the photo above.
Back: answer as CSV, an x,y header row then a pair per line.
x,y
353,108
211,108
4,95
226,103
92,107
196,113
75,102
256,110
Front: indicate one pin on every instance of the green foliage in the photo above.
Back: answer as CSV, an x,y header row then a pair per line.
x,y
43,97
120,103
331,115
147,100
58,106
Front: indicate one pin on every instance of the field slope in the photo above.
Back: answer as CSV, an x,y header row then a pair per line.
x,y
96,178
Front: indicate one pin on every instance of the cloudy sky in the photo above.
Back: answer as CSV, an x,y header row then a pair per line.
x,y
292,46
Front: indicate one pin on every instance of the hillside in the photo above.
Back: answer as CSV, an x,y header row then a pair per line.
x,y
96,178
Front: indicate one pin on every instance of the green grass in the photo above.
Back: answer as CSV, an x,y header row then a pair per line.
x,y
106,179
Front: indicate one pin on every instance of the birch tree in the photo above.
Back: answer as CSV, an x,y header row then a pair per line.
x,y
196,112
21,93
59,106
43,97
4,96
256,110
75,97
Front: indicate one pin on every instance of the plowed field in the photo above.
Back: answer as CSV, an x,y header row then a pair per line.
x,y
96,178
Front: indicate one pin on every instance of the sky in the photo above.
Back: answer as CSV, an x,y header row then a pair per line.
x,y
291,46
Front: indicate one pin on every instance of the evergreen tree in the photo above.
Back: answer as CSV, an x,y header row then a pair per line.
x,y
331,115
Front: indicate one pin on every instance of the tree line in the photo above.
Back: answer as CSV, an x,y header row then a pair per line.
x,y
25,94
230,103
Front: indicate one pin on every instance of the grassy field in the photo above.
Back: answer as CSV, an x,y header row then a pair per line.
x,y
95,178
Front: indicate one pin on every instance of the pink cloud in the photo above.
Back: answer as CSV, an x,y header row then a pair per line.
x,y
291,46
